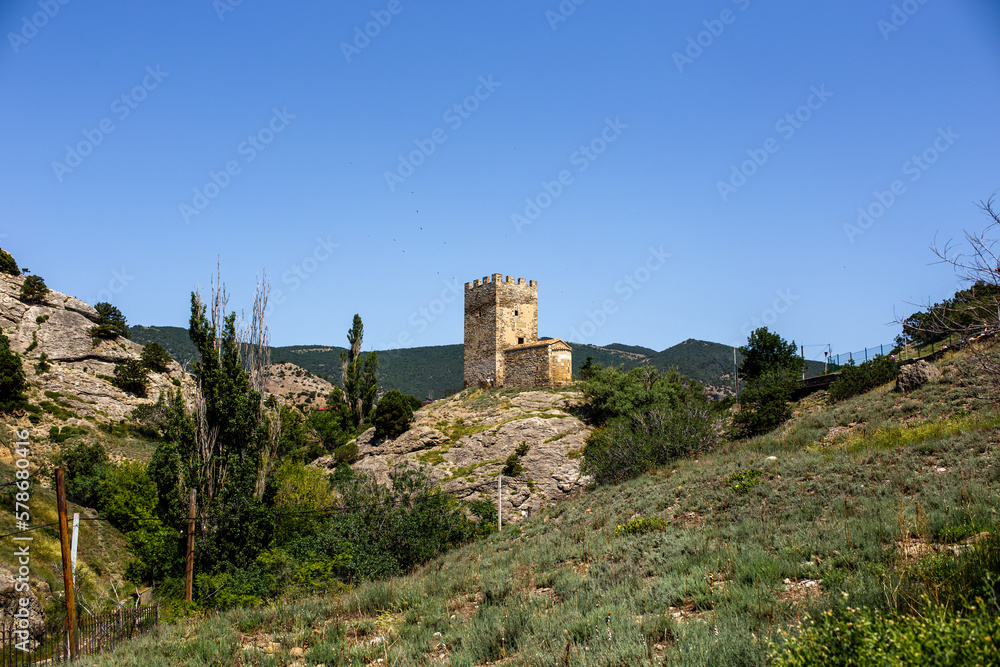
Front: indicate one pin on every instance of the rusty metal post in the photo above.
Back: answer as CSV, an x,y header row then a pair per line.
x,y
67,567
189,565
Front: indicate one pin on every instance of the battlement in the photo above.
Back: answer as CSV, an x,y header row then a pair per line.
x,y
495,279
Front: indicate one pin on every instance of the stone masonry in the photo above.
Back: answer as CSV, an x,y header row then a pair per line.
x,y
502,314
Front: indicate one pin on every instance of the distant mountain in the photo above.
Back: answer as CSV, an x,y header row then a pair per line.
x,y
436,371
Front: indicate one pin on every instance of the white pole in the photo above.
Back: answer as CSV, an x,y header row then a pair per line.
x,y
72,549
499,503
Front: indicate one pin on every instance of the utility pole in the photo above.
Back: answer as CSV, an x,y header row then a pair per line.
x,y
67,568
189,564
499,502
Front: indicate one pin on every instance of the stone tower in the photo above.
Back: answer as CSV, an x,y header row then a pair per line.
x,y
499,314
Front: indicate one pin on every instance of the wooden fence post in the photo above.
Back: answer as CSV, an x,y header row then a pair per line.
x,y
66,564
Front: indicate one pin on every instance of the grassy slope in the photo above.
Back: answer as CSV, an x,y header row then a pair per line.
x,y
848,486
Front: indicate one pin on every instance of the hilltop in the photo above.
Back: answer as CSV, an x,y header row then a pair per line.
x,y
434,372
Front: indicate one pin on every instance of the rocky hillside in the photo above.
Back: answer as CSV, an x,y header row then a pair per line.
x,y
297,386
76,387
464,442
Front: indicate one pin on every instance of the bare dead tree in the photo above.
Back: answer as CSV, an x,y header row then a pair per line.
x,y
211,468
255,353
973,316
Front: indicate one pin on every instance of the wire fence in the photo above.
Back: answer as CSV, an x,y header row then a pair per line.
x,y
95,635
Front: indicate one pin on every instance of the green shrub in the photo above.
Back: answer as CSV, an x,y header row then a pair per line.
x,y
866,638
7,264
155,357
645,418
111,323
640,525
742,481
131,376
84,466
512,466
43,364
12,379
346,453
870,374
33,289
393,415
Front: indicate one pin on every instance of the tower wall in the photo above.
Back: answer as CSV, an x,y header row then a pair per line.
x,y
499,313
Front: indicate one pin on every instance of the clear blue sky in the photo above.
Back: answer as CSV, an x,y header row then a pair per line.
x,y
120,120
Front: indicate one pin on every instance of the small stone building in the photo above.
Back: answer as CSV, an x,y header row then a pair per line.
x,y
501,337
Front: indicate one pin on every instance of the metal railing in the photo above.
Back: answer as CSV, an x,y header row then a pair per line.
x,y
95,635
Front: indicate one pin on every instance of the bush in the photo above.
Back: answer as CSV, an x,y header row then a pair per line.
x,y
870,374
84,466
12,379
640,525
393,415
346,453
131,376
7,264
111,324
512,466
863,637
155,357
33,290
764,404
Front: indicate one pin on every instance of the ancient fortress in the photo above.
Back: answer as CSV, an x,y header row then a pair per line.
x,y
501,337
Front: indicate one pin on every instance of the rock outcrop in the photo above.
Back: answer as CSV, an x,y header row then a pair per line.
x,y
464,442
916,375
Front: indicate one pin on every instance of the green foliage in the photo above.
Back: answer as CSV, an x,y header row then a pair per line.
x,y
302,497
151,419
640,525
353,370
111,323
12,379
870,374
84,466
128,498
512,466
742,481
155,357
33,290
43,364
393,415
386,531
7,264
770,370
346,453
865,638
645,419
131,376
968,310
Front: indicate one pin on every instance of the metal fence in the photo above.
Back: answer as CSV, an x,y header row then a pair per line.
x,y
95,635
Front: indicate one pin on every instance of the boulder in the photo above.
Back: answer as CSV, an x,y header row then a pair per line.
x,y
36,595
916,375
